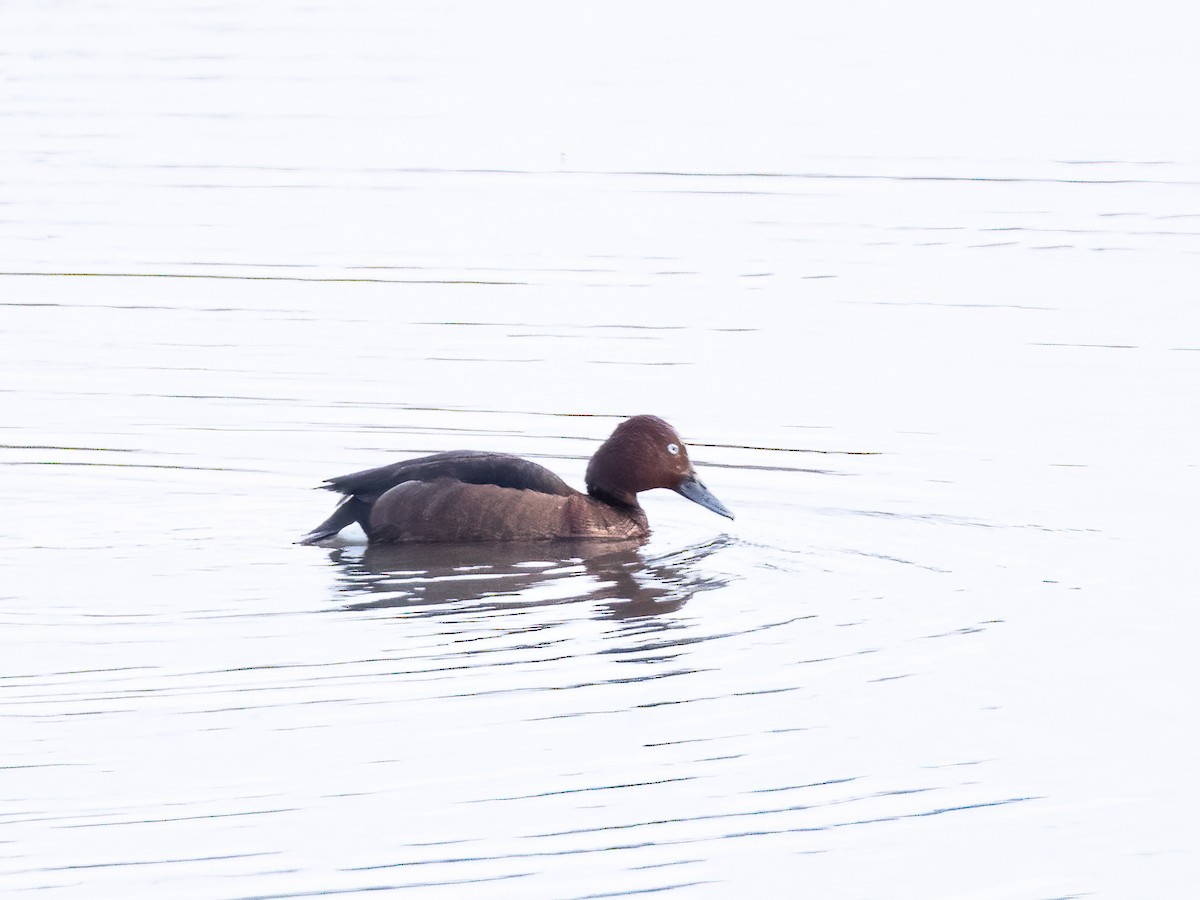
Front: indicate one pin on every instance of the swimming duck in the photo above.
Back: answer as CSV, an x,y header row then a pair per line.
x,y
473,495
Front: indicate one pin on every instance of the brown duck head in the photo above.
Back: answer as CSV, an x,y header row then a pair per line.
x,y
642,454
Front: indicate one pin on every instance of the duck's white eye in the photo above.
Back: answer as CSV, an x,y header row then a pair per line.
x,y
673,449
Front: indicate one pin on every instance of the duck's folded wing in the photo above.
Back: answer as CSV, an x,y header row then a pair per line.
x,y
468,466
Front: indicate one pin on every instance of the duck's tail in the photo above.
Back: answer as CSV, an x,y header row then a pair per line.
x,y
350,510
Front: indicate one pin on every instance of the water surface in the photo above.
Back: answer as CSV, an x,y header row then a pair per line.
x,y
936,349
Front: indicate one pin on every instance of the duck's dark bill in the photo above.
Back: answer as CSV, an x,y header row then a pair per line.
x,y
695,491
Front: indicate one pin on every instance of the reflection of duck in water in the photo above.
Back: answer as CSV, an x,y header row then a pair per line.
x,y
468,495
422,578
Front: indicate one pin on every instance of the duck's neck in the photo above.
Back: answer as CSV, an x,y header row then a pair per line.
x,y
618,499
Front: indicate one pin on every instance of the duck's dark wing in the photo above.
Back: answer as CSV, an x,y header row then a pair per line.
x,y
362,489
469,466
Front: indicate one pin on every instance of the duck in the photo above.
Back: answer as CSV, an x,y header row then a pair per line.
x,y
472,496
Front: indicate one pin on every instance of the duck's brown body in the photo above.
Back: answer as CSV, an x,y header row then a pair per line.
x,y
471,496
452,511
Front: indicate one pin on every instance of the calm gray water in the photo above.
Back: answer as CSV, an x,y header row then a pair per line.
x,y
920,295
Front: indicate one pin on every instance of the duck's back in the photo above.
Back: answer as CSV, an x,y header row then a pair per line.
x,y
467,466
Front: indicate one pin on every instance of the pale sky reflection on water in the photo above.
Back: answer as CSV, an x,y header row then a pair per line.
x,y
914,283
